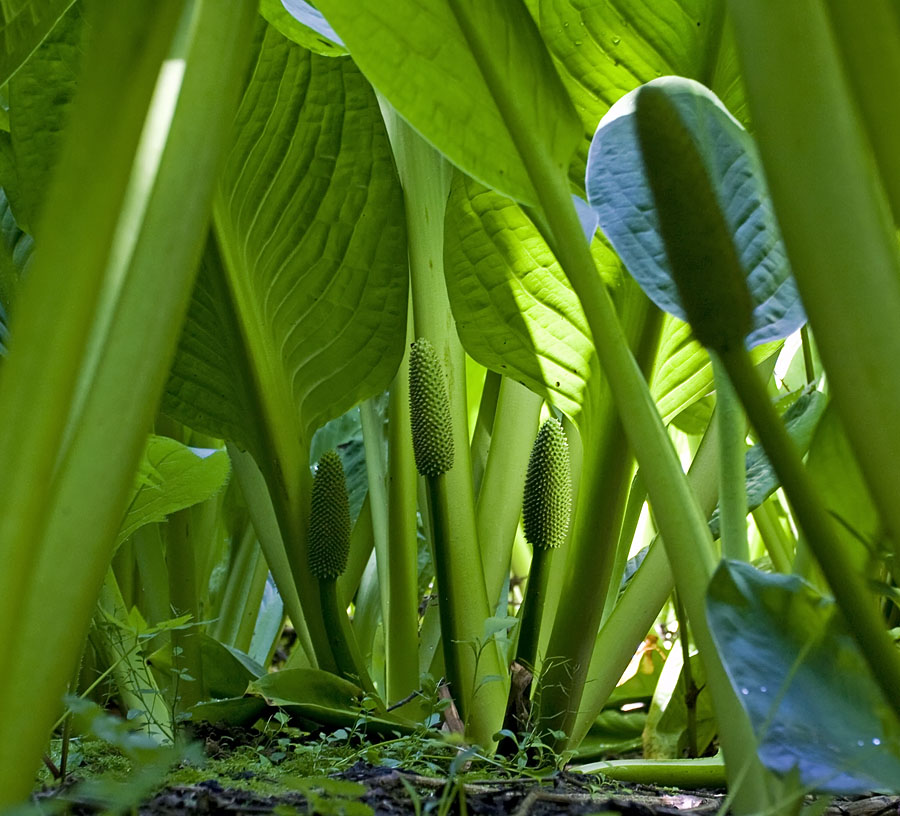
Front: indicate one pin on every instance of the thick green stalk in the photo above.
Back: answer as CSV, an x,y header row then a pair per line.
x,y
402,624
425,177
484,426
687,538
594,551
853,596
343,642
500,498
836,223
239,608
532,606
732,468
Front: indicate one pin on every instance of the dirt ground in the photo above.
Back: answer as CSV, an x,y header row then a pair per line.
x,y
392,792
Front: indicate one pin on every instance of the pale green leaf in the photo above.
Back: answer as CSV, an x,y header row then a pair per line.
x,y
418,56
172,477
514,308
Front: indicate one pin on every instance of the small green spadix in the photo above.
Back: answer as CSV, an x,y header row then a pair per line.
x,y
432,431
329,520
547,503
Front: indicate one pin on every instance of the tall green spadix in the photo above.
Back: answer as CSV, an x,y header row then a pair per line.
x,y
432,431
698,240
546,510
329,547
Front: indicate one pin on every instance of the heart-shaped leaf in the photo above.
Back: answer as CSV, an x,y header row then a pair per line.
x,y
798,672
619,190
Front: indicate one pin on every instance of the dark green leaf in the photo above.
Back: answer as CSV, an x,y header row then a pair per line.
x,y
800,676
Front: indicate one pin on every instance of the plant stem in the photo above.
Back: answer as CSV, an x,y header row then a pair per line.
x,y
855,600
343,643
500,499
774,539
484,427
532,607
402,624
732,468
643,598
425,176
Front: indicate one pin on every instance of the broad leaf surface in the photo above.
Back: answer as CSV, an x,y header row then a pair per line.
x,y
515,311
305,317
619,190
416,54
23,26
798,673
172,477
603,50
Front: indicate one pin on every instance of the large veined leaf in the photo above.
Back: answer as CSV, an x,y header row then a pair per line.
x,y
419,56
309,317
603,50
799,674
619,190
23,26
172,477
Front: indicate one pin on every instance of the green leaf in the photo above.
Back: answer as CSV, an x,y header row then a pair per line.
x,y
226,672
172,477
23,26
841,488
304,25
514,308
16,248
40,99
619,189
304,318
797,671
416,53
603,50
242,711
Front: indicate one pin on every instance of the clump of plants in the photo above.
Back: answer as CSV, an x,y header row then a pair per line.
x,y
550,408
